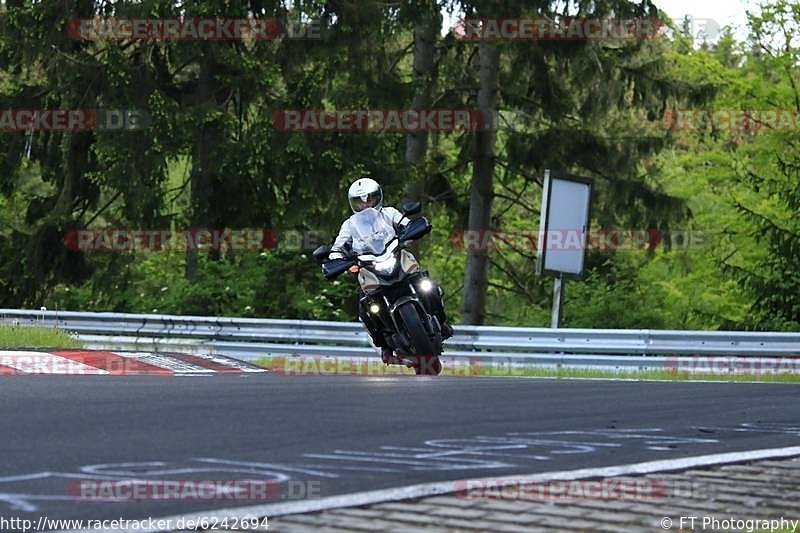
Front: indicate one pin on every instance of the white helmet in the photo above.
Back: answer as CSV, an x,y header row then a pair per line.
x,y
364,193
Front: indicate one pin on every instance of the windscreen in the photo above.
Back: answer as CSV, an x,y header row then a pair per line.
x,y
372,232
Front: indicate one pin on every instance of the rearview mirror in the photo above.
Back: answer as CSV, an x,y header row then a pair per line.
x,y
321,253
411,208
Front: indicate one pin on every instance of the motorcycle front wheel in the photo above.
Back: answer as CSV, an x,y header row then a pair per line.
x,y
425,356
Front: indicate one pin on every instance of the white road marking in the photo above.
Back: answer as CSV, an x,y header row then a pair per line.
x,y
166,362
264,466
42,362
499,450
45,363
752,428
438,465
447,487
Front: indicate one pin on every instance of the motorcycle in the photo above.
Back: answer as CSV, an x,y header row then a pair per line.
x,y
399,298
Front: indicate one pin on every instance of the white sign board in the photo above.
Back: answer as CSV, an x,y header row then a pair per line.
x,y
564,226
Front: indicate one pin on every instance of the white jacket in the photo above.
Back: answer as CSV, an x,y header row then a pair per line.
x,y
345,237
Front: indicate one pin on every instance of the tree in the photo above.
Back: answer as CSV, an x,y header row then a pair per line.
x,y
589,108
768,170
428,23
481,195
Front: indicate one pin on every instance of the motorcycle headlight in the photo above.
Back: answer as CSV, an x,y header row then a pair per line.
x,y
369,282
425,285
386,267
408,262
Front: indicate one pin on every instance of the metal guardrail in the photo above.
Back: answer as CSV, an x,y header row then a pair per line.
x,y
249,339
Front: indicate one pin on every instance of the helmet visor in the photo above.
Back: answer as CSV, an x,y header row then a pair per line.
x,y
359,203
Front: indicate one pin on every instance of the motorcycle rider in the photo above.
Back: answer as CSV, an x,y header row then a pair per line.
x,y
365,192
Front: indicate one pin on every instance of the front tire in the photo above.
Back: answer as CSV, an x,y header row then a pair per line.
x,y
425,356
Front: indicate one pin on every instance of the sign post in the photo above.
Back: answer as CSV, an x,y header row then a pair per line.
x,y
558,298
563,228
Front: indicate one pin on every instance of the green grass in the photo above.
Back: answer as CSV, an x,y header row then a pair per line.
x,y
296,366
35,337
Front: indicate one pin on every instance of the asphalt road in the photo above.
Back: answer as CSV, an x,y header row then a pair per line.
x,y
332,435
